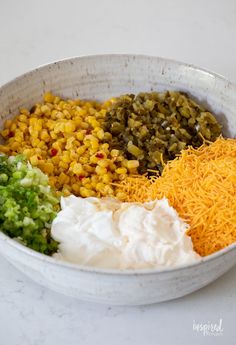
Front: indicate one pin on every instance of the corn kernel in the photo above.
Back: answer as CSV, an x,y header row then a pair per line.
x,y
107,190
84,160
121,171
93,159
105,146
103,112
94,145
65,191
55,160
4,149
24,111
52,181
13,127
59,127
112,167
48,97
35,142
121,195
45,109
100,171
100,134
74,130
53,135
84,125
23,127
94,179
104,163
92,111
46,167
78,169
122,176
95,123
63,165
106,178
76,188
85,180
5,133
42,145
88,186
63,178
84,192
23,118
80,150
69,127
115,153
69,143
44,135
66,113
77,121
56,100
100,187
88,168
80,136
37,110
34,160
7,124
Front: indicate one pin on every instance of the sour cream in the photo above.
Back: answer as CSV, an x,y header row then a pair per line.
x,y
110,234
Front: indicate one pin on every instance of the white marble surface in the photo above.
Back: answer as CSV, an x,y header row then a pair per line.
x,y
33,33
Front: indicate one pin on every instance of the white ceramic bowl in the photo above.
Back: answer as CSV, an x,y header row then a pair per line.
x,y
100,77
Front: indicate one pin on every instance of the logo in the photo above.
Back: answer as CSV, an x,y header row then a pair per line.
x,y
209,328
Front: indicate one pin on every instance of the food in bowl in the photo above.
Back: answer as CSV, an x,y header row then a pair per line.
x,y
28,205
75,142
109,233
154,127
123,149
201,185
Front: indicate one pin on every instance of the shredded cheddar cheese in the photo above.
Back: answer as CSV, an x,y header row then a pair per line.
x,y
201,185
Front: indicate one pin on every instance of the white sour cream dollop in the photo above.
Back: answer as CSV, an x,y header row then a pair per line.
x,y
110,234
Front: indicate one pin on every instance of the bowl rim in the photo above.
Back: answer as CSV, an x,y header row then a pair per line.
x,y
110,271
116,55
107,271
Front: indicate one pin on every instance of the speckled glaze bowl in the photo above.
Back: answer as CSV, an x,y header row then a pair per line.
x,y
100,77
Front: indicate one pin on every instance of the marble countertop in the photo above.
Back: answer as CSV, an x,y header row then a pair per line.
x,y
34,33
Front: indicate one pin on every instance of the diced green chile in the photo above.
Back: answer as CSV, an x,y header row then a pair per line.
x,y
159,124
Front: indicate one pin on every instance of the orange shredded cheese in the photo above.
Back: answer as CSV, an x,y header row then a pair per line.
x,y
201,185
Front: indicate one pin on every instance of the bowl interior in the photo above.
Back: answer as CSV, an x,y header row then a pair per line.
x,y
103,76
